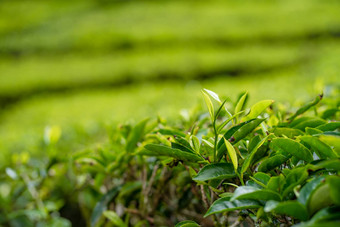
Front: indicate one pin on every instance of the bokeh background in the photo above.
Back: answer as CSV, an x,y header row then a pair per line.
x,y
85,65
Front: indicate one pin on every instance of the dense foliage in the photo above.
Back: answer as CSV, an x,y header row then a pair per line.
x,y
263,165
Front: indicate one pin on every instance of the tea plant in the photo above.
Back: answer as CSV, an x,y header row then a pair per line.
x,y
272,166
263,165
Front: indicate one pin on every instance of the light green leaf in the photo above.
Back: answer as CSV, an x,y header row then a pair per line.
x,y
232,154
209,105
257,109
213,95
187,224
240,103
114,218
334,188
135,135
254,193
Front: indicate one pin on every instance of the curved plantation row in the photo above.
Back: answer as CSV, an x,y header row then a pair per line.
x,y
258,166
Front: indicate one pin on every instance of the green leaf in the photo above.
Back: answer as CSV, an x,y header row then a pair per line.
x,y
331,140
223,205
292,147
334,188
232,154
215,171
257,109
276,183
249,159
330,165
323,149
272,162
101,205
213,95
295,177
195,143
227,121
262,177
135,135
253,193
289,132
315,194
290,208
187,224
326,214
312,123
331,126
313,131
306,107
161,150
209,105
114,218
240,103
245,129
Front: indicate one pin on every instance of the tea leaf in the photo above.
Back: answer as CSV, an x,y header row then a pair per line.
x,y
323,149
223,205
160,150
232,154
292,147
291,208
215,171
253,193
257,109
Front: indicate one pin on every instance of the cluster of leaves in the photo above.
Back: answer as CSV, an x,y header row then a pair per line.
x,y
263,165
278,169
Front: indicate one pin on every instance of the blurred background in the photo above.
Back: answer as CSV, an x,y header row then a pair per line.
x,y
84,65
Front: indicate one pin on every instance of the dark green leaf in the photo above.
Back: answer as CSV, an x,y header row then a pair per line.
x,y
291,208
161,150
292,147
246,129
272,162
249,159
223,205
101,205
295,177
215,171
331,126
323,149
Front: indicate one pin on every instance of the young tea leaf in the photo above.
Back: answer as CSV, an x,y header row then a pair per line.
x,y
257,109
232,154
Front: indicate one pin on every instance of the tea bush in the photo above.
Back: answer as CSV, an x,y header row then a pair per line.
x,y
263,165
